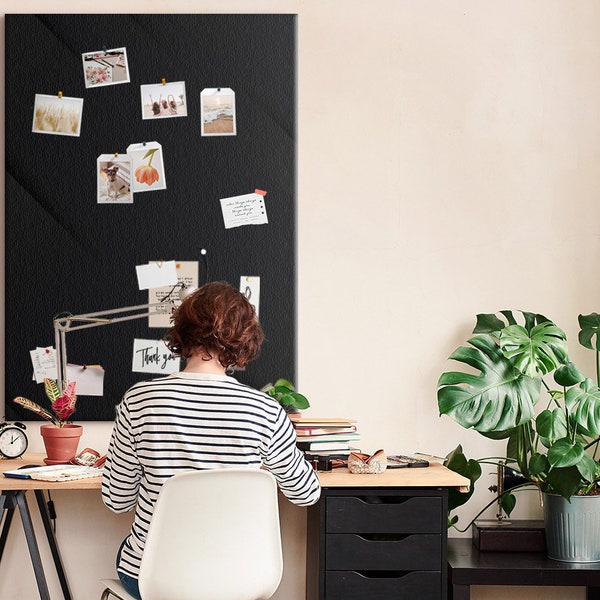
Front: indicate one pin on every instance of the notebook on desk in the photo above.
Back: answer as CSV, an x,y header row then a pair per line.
x,y
55,473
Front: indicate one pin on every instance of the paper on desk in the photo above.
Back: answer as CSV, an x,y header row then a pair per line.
x,y
44,363
90,379
248,209
156,274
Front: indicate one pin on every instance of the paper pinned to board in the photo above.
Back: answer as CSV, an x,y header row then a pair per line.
x,y
156,274
247,209
44,363
89,379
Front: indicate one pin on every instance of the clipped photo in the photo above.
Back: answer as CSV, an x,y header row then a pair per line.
x,y
147,166
57,115
163,100
105,67
218,111
114,179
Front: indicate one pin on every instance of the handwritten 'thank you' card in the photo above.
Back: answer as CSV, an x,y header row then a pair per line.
x,y
248,209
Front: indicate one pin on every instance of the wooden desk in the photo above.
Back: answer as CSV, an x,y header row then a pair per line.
x,y
375,537
13,495
467,566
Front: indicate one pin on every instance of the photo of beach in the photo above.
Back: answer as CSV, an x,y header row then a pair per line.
x,y
163,100
57,115
218,111
105,67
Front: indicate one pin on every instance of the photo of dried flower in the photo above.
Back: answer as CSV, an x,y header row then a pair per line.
x,y
57,115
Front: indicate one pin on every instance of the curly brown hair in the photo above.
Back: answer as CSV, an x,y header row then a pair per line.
x,y
218,320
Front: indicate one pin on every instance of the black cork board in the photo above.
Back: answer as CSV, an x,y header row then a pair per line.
x,y
65,252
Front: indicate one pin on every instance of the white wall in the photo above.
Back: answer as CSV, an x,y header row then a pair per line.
x,y
447,166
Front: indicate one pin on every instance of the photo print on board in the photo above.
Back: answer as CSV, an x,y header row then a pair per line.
x,y
218,111
147,165
105,67
114,179
163,100
57,115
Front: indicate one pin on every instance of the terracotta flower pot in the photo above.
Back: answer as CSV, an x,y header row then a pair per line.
x,y
61,442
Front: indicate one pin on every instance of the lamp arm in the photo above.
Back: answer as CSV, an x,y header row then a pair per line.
x,y
62,325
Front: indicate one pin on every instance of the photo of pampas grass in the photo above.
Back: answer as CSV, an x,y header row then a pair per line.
x,y
57,115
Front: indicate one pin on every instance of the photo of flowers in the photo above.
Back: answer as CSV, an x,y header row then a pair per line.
x,y
160,100
105,67
218,111
57,115
114,179
147,166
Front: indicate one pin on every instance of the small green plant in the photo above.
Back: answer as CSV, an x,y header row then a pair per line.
x,y
285,393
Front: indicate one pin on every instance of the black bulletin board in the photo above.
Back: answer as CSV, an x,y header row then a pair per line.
x,y
67,253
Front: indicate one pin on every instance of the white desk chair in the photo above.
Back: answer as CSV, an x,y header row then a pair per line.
x,y
214,535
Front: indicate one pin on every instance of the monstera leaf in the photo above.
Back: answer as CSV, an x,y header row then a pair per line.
x,y
499,399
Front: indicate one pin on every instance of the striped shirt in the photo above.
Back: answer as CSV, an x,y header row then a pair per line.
x,y
195,421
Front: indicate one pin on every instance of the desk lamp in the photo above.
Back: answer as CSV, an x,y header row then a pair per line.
x,y
64,323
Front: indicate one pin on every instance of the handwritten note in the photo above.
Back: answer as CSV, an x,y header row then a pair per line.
x,y
187,273
44,363
153,356
248,209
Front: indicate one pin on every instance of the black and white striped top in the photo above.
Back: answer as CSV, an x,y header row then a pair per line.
x,y
195,421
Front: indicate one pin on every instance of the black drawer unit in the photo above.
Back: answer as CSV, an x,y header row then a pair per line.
x,y
377,544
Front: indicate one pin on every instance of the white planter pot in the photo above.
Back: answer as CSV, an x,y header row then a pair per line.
x,y
572,528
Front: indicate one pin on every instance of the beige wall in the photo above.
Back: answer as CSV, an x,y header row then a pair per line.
x,y
447,165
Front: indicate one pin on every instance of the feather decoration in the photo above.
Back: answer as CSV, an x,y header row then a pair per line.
x,y
34,407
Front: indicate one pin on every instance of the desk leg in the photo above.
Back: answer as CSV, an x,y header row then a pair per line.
x,y
34,551
8,511
593,593
39,495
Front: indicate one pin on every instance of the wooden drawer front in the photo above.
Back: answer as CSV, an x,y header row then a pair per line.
x,y
346,514
358,553
349,585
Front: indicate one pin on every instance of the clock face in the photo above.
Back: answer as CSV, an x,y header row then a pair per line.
x,y
13,442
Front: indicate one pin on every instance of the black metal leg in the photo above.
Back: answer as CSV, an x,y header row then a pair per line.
x,y
8,510
34,551
39,495
593,593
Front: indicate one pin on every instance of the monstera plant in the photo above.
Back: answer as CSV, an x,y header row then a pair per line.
x,y
519,385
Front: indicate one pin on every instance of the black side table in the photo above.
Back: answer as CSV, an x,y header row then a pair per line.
x,y
467,566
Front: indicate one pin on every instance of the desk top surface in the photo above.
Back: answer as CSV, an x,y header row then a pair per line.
x,y
433,476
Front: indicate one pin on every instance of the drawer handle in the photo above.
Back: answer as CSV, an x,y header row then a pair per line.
x,y
382,574
383,499
383,537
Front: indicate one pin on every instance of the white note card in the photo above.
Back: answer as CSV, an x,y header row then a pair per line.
x,y
156,274
89,380
248,209
153,356
44,363
250,287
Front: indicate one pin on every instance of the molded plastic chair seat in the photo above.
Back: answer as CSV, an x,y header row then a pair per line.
x,y
214,535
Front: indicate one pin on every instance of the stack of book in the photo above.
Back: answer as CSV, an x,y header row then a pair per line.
x,y
325,437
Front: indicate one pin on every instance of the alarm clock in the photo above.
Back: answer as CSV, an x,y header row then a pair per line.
x,y
13,440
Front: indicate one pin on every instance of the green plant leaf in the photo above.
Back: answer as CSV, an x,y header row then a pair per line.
x,y
565,453
587,467
568,375
499,398
508,502
590,327
539,351
456,461
538,465
285,383
488,323
584,404
551,425
51,389
565,481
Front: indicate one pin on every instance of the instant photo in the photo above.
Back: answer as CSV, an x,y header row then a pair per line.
x,y
114,179
57,115
218,111
105,67
163,100
147,166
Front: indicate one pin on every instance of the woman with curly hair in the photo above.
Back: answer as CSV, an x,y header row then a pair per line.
x,y
199,418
